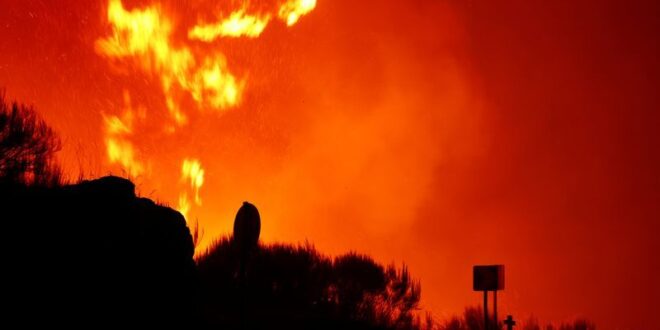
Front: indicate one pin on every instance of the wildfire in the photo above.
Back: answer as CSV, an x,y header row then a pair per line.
x,y
143,36
142,39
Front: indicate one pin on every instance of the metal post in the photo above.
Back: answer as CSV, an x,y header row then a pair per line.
x,y
485,309
497,325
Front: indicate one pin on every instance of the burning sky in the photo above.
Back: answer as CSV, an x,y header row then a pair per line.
x,y
439,133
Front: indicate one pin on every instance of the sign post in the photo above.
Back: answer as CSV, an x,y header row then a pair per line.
x,y
488,278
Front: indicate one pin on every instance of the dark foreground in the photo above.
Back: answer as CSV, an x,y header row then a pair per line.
x,y
94,254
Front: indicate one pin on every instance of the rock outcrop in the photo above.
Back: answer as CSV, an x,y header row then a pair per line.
x,y
94,254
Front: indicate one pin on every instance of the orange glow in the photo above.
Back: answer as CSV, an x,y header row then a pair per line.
x,y
441,134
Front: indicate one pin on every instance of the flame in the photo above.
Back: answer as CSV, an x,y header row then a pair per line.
x,y
237,25
142,39
241,24
192,170
193,173
184,205
119,148
143,36
292,10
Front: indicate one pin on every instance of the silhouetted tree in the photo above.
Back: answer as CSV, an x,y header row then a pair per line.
x,y
27,146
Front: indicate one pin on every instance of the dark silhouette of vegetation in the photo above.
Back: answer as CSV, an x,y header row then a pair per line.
x,y
94,254
472,319
295,287
579,324
27,146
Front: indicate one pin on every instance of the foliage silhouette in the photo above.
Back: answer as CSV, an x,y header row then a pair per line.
x,y
472,319
27,146
296,287
94,254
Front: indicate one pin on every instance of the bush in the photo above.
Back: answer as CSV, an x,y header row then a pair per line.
x,y
27,146
298,288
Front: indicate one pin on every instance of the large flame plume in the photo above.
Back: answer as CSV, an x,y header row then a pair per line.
x,y
142,38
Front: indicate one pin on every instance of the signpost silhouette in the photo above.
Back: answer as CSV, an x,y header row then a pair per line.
x,y
488,278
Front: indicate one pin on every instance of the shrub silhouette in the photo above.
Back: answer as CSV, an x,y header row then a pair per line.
x,y
295,287
27,146
473,319
579,324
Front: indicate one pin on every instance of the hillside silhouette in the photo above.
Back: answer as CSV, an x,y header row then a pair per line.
x,y
94,252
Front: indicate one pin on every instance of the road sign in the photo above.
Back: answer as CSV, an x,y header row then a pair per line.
x,y
488,278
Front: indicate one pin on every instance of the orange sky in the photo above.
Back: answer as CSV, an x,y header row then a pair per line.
x,y
439,133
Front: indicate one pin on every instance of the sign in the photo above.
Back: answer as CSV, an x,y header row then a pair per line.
x,y
488,278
